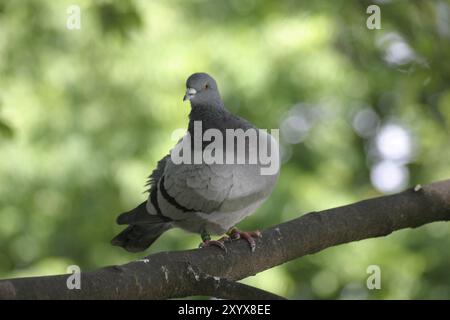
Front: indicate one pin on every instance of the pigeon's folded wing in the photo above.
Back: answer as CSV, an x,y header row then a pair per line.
x,y
197,188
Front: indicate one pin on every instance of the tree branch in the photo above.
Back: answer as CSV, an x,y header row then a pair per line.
x,y
206,285
169,274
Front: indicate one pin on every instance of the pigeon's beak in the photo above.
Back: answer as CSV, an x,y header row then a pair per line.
x,y
190,93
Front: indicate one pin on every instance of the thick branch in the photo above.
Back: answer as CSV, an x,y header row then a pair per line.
x,y
169,274
206,285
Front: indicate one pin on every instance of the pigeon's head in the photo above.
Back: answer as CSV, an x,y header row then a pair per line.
x,y
201,89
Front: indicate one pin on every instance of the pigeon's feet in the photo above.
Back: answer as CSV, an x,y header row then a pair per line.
x,y
249,236
220,243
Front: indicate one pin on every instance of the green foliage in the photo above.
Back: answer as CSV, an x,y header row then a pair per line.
x,y
92,111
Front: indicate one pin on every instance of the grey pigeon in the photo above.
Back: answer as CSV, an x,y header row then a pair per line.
x,y
200,198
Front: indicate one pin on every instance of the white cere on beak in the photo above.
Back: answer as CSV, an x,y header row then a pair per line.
x,y
190,92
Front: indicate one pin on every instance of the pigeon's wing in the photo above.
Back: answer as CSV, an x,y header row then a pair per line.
x,y
212,198
194,187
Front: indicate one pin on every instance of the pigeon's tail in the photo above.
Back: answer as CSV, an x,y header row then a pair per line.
x,y
137,237
144,228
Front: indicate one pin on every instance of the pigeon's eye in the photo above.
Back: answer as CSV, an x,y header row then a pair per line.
x,y
206,86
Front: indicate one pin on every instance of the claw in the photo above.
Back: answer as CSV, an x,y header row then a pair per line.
x,y
215,243
236,234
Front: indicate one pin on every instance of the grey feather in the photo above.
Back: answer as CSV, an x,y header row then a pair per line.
x,y
137,238
140,215
156,174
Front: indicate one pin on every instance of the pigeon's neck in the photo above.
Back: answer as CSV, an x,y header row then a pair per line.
x,y
210,115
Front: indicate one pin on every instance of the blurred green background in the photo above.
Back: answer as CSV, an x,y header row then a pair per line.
x,y
85,115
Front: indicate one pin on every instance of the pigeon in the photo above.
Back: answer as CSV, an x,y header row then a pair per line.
x,y
207,198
